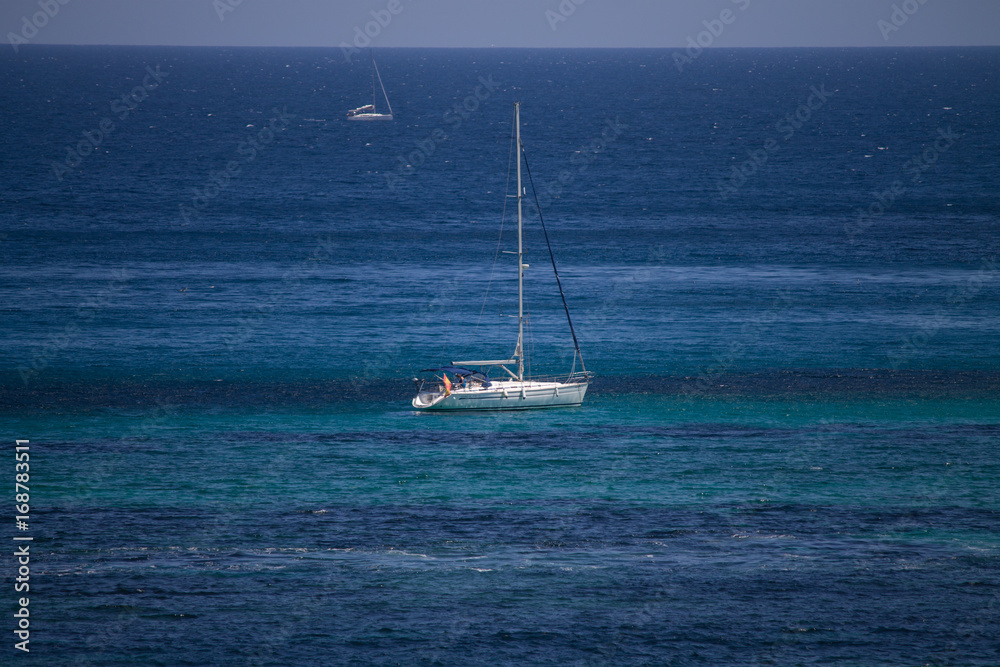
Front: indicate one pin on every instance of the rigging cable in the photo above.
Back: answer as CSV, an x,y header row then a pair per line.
x,y
552,257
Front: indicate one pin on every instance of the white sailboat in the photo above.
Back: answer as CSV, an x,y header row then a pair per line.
x,y
368,112
475,389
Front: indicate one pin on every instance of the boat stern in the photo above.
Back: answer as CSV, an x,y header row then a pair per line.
x,y
427,399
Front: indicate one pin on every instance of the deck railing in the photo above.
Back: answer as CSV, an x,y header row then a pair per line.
x,y
566,378
578,377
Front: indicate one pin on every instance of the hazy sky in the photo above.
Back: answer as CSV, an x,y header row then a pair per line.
x,y
532,23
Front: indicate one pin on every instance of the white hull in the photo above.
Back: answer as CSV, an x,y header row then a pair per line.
x,y
505,395
371,116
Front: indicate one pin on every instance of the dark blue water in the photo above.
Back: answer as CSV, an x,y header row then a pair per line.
x,y
782,266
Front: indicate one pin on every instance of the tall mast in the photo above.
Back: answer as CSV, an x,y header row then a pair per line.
x,y
520,265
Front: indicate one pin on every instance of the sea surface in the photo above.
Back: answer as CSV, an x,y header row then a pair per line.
x,y
782,266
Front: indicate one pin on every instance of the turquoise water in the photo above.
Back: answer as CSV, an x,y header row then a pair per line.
x,y
788,456
723,530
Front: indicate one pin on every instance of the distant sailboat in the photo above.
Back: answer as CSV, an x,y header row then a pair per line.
x,y
475,389
368,112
